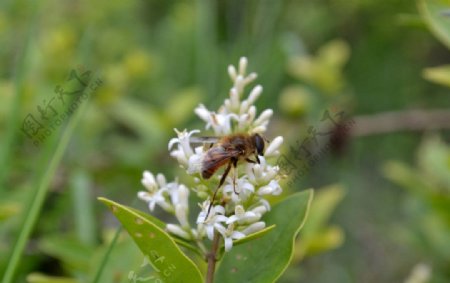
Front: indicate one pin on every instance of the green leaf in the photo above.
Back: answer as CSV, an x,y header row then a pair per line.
x,y
182,104
315,236
325,201
439,75
253,236
434,161
266,258
83,205
9,209
74,254
160,249
42,278
162,225
143,119
435,15
328,238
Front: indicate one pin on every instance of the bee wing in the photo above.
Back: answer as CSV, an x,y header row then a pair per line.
x,y
215,158
203,140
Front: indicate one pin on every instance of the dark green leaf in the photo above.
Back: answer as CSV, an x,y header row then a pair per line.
x,y
266,258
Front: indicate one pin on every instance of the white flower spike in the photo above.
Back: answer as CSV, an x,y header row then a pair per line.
x,y
240,203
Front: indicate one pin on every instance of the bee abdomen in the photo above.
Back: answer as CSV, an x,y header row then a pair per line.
x,y
207,173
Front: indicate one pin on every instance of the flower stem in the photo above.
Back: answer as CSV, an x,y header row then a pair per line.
x,y
212,258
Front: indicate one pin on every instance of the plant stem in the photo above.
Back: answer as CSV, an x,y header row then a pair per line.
x,y
396,121
34,209
105,258
212,258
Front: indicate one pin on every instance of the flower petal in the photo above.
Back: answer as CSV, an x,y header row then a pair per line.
x,y
228,243
274,146
253,228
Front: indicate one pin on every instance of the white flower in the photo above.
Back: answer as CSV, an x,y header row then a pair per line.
x,y
220,121
195,161
178,231
215,216
228,235
154,198
260,210
149,182
274,146
254,227
243,187
252,97
242,112
242,217
154,194
273,188
265,203
260,124
262,173
172,197
184,150
180,201
420,273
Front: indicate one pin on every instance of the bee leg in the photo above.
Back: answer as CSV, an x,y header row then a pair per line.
x,y
234,175
222,180
253,161
207,146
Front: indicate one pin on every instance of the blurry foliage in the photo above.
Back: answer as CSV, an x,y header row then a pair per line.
x,y
321,80
317,236
428,204
439,75
437,17
81,261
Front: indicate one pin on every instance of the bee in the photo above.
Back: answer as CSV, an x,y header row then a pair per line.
x,y
229,150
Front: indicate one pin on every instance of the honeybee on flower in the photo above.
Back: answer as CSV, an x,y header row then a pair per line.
x,y
232,204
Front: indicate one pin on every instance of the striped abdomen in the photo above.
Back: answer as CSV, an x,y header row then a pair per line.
x,y
214,159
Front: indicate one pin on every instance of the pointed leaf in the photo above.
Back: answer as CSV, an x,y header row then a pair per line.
x,y
253,236
315,236
325,202
9,209
166,258
42,278
162,225
436,15
439,75
266,258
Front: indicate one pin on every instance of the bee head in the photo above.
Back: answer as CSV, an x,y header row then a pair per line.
x,y
259,144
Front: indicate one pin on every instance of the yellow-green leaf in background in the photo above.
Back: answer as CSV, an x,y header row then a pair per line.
x,y
436,16
316,236
8,209
439,75
42,278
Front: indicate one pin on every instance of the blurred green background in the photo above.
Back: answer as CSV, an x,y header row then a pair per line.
x,y
381,210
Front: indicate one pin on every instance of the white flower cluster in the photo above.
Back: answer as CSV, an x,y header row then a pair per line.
x,y
240,204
